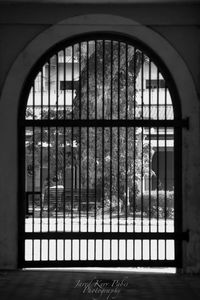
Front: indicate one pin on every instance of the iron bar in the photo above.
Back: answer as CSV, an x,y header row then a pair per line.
x,y
49,154
41,161
56,141
72,149
157,167
79,185
165,175
111,139
108,123
88,145
88,176
72,188
98,263
182,236
142,150
80,78
126,151
150,158
134,150
118,145
80,137
57,151
33,171
95,154
177,192
103,143
64,152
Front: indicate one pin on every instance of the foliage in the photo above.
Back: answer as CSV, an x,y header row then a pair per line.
x,y
108,91
161,203
107,87
113,159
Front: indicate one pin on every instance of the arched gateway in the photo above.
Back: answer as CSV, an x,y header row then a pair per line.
x,y
100,142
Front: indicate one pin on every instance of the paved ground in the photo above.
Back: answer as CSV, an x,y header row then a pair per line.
x,y
91,285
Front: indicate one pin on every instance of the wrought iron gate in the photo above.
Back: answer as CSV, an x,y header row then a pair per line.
x,y
100,134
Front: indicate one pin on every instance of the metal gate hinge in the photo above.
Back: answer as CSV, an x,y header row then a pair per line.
x,y
185,123
186,235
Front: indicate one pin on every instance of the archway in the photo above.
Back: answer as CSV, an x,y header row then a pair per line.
x,y
95,109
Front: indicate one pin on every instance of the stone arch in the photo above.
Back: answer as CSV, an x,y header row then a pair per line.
x,y
10,97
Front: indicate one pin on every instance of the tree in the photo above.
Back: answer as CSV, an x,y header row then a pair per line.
x,y
107,90
113,158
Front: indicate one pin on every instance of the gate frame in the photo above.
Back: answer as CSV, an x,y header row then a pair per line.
x,y
177,123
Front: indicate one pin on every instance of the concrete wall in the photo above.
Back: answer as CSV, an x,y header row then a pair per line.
x,y
27,31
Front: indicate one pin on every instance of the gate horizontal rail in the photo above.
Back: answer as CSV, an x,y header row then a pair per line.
x,y
109,235
98,263
108,123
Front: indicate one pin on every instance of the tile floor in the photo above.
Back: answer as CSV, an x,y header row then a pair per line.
x,y
96,284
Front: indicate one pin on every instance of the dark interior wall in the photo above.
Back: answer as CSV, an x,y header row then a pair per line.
x,y
179,25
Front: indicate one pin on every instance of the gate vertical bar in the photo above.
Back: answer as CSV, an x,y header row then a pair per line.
x,y
95,149
57,106
150,158
165,167
178,193
80,149
88,145
49,140
134,150
103,116
111,139
142,150
80,76
41,162
33,174
22,191
158,169
118,142
72,154
64,155
126,151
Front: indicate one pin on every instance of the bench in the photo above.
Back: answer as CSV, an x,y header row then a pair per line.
x,y
33,201
68,197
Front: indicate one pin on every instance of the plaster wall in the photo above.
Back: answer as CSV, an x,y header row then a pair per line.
x,y
27,31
